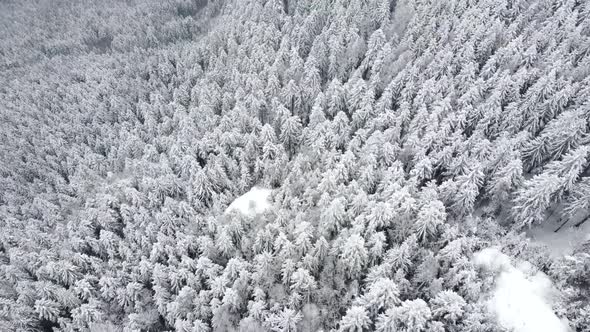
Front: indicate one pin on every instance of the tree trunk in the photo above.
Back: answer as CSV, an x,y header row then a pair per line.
x,y
581,222
561,226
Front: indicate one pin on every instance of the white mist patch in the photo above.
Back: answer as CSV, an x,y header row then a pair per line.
x,y
521,299
254,202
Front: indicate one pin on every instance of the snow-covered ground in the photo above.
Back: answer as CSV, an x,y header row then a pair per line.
x,y
560,243
522,298
254,202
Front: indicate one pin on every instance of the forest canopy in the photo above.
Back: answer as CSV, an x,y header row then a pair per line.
x,y
394,142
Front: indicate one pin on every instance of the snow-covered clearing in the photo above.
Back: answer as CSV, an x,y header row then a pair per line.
x,y
522,298
254,202
563,242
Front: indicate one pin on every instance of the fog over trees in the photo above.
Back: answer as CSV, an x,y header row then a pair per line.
x,y
295,165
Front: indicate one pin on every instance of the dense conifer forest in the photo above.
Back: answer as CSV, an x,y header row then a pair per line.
x,y
396,157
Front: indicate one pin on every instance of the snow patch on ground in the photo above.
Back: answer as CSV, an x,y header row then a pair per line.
x,y
254,202
522,298
563,242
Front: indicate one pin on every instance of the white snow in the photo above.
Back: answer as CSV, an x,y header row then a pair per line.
x,y
522,298
254,202
563,242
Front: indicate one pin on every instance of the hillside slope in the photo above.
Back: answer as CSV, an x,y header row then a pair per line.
x,y
399,138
